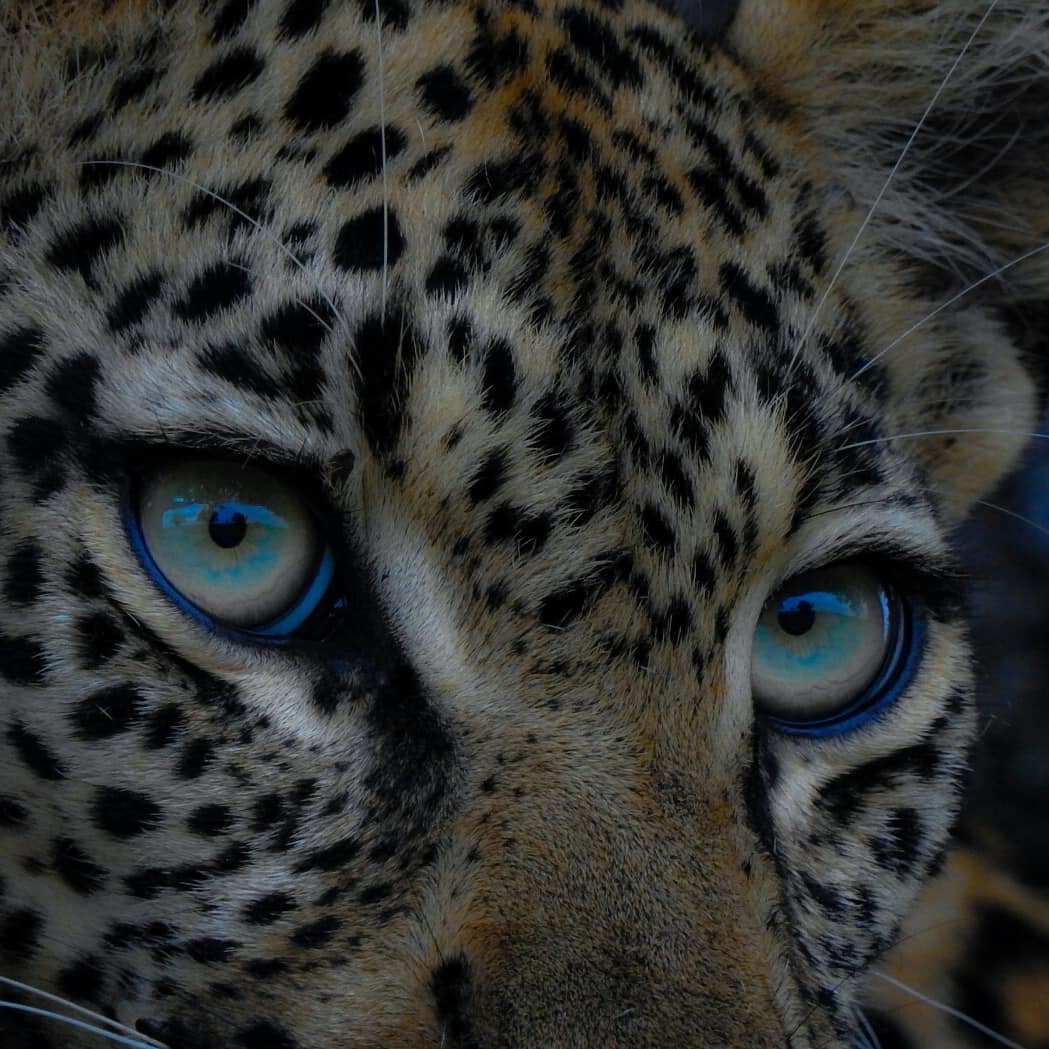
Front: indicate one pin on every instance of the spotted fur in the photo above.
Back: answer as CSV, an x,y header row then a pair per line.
x,y
540,300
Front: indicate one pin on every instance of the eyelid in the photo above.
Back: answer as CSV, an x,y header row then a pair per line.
x,y
936,577
142,461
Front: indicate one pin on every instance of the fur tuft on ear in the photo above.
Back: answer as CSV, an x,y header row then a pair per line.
x,y
969,79
932,119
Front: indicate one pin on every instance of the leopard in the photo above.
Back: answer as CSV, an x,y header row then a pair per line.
x,y
479,491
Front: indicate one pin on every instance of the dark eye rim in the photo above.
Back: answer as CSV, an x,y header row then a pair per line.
x,y
908,628
129,504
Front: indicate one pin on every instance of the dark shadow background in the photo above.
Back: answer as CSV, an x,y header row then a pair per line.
x,y
1008,806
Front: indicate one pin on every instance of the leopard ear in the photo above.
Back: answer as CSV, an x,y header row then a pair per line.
x,y
932,121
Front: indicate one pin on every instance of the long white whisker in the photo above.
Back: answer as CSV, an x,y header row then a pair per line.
x,y
119,1039
254,222
27,988
943,433
946,305
873,1041
382,149
957,1014
1012,513
889,178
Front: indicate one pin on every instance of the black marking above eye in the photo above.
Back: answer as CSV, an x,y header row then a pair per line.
x,y
362,157
225,77
216,288
325,94
370,241
444,93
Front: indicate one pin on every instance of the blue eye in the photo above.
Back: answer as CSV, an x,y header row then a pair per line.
x,y
233,545
832,649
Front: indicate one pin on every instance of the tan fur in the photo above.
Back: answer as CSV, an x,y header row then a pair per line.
x,y
582,394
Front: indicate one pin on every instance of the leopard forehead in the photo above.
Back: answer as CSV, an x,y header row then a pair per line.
x,y
560,218
539,296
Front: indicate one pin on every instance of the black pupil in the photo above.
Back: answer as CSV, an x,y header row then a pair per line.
x,y
797,618
227,527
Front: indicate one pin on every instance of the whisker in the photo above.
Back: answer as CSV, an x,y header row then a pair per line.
x,y
889,178
218,198
943,433
29,989
948,1010
946,304
872,1039
1012,513
119,1039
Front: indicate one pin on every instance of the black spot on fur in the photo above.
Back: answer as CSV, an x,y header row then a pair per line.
x,y
209,820
225,77
552,432
19,207
239,367
35,754
107,712
301,16
71,385
216,288
489,477
385,350
163,726
23,577
76,868
332,857
122,813
845,795
12,813
675,479
447,276
99,637
657,531
450,984
132,87
195,758
325,94
369,241
361,158
315,934
230,19
444,93
897,849
239,205
210,949
264,1035
132,304
500,377
728,544
755,303
560,608
19,351
596,39
168,151
267,909
35,444
20,933
528,531
79,248
22,660
426,163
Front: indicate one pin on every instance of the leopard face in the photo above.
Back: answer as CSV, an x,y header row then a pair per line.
x,y
512,340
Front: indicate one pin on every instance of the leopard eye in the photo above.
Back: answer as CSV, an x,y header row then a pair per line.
x,y
832,648
233,545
